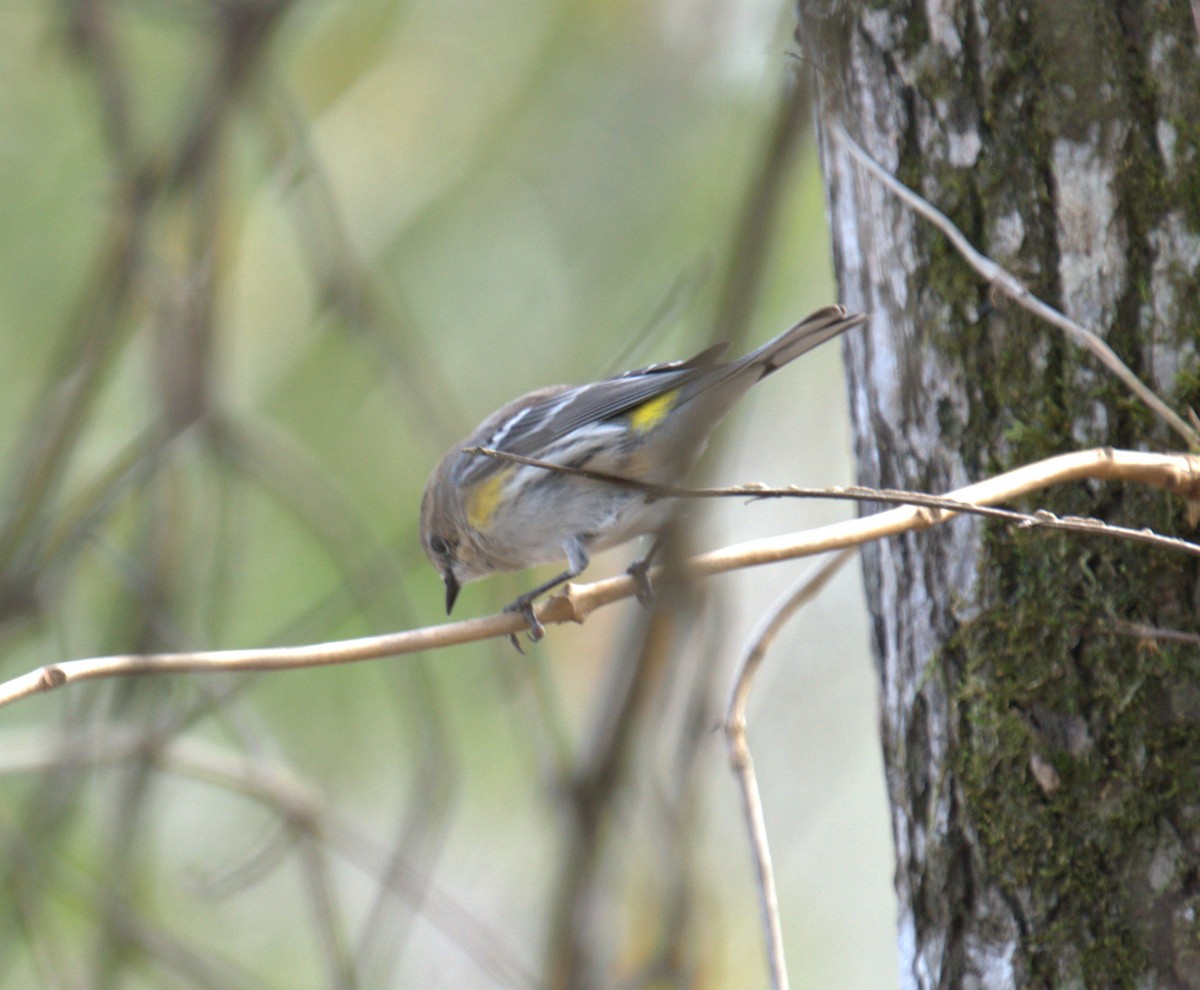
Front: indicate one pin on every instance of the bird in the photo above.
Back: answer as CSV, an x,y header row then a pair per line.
x,y
483,514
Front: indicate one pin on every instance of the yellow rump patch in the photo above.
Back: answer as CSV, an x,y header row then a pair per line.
x,y
483,499
649,414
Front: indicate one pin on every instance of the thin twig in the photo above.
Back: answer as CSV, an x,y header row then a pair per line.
x,y
1177,473
743,764
1011,286
1143,631
1041,519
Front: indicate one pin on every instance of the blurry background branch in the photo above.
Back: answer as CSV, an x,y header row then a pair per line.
x,y
262,262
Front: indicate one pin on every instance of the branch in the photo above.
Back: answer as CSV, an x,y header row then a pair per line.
x,y
1150,635
743,765
1041,519
1176,473
1007,283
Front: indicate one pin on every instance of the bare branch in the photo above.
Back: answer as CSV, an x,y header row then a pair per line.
x,y
1041,519
1011,286
1153,633
1176,473
743,765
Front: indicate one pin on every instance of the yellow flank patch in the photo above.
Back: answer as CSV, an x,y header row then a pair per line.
x,y
483,499
649,414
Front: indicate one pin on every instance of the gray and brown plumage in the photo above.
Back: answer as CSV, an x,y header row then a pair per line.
x,y
480,515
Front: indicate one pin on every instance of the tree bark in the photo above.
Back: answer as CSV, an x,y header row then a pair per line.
x,y
1043,765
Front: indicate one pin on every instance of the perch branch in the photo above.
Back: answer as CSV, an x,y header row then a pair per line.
x,y
1176,473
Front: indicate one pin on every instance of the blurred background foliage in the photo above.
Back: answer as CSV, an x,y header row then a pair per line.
x,y
261,262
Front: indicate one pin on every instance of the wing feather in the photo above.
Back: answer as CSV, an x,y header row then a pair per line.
x,y
560,410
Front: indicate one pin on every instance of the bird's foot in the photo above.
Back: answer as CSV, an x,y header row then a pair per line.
x,y
523,606
639,570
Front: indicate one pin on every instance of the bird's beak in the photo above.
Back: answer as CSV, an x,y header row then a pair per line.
x,y
452,587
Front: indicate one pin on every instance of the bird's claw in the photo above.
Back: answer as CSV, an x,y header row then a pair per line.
x,y
639,570
524,607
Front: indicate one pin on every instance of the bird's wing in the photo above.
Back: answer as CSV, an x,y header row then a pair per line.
x,y
560,410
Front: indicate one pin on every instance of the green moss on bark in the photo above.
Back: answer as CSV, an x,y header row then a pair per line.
x,y
1044,673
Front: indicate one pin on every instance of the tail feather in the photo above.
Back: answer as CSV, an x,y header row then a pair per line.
x,y
814,330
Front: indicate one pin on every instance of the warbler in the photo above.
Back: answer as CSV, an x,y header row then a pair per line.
x,y
482,514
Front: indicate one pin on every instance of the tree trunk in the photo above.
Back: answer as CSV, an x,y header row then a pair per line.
x,y
1043,764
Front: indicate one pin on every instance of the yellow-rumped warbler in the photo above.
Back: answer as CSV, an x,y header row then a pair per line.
x,y
482,514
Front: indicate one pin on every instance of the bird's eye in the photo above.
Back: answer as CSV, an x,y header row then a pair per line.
x,y
439,546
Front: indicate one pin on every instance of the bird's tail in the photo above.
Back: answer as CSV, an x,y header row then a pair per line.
x,y
812,331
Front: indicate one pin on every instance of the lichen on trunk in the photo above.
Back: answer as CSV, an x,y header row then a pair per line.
x,y
1043,765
